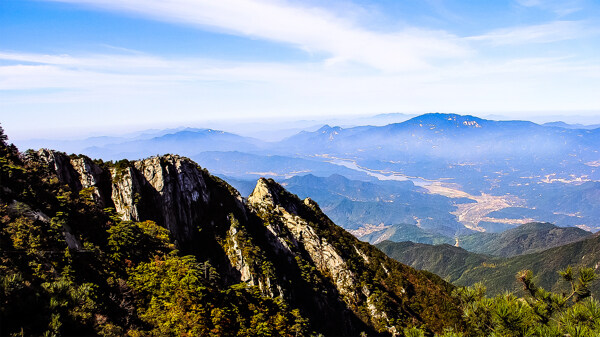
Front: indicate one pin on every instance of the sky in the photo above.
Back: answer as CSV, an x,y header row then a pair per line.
x,y
93,66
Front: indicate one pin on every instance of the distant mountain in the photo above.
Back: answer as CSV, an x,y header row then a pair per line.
x,y
246,166
547,169
404,232
327,139
70,146
187,142
525,239
447,136
572,126
79,145
342,186
513,172
353,204
245,187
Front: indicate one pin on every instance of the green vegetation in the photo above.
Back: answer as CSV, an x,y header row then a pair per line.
x,y
403,296
464,268
525,239
69,268
537,313
496,274
445,260
176,298
119,168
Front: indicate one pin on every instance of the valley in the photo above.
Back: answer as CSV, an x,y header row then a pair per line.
x,y
488,183
379,174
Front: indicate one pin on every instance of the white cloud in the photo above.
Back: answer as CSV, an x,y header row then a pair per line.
x,y
132,84
529,3
559,7
308,28
26,71
545,33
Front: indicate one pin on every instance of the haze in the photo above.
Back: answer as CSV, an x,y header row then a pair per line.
x,y
74,67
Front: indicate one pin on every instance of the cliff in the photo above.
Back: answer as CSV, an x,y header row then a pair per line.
x,y
285,246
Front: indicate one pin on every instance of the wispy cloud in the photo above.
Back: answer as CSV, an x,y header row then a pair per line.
x,y
308,28
559,7
280,86
545,33
415,69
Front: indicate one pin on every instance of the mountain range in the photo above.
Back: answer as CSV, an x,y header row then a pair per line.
x,y
159,246
529,247
471,174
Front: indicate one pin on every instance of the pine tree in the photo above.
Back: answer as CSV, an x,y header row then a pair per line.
x,y
3,137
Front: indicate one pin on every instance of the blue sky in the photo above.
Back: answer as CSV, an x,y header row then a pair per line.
x,y
129,64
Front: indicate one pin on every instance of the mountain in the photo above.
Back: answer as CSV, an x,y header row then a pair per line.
x,y
357,204
344,187
402,233
360,206
186,142
473,173
79,145
160,246
434,135
465,268
571,126
246,166
445,260
525,239
541,173
453,138
499,275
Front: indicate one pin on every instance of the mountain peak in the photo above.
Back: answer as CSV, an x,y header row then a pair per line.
x,y
266,192
447,120
329,132
312,204
328,129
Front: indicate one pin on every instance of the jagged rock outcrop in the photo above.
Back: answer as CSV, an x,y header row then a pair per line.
x,y
265,197
372,287
169,189
286,246
79,173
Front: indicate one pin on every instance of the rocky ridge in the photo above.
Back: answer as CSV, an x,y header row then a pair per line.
x,y
285,246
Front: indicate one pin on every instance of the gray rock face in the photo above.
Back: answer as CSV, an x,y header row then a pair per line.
x,y
323,254
90,176
169,190
79,173
296,234
61,164
125,193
